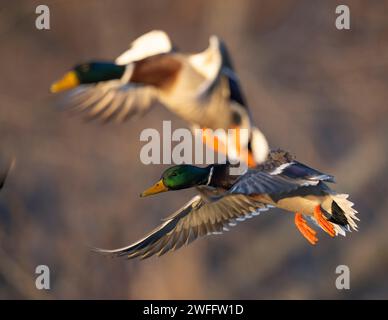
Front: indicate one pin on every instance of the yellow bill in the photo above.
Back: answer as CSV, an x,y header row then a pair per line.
x,y
156,188
68,81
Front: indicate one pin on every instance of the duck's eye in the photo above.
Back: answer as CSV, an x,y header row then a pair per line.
x,y
85,67
174,174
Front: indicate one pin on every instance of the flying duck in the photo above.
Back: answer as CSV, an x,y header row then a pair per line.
x,y
224,199
202,88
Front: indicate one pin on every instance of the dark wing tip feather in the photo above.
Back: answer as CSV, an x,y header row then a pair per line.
x,y
297,170
197,218
155,241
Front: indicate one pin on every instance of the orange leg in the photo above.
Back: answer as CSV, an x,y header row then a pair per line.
x,y
213,141
250,160
217,145
321,220
305,230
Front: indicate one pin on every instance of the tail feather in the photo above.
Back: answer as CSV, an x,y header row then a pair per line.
x,y
346,206
341,229
342,215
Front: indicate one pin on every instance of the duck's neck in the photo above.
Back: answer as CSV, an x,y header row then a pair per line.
x,y
209,175
102,71
200,176
218,176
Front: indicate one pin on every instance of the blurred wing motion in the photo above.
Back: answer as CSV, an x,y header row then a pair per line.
x,y
152,70
216,66
209,64
135,92
199,217
150,44
111,100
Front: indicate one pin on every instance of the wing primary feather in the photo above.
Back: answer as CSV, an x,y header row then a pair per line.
x,y
196,218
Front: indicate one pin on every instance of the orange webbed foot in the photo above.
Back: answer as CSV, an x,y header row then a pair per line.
x,y
321,220
305,230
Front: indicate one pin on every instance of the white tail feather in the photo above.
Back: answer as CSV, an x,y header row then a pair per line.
x,y
347,208
349,212
339,230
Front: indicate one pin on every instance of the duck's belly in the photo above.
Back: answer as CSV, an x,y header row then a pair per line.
x,y
304,205
184,99
206,114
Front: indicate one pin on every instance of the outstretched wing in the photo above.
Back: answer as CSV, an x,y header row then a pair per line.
x,y
133,94
285,178
195,219
110,100
149,44
297,170
215,63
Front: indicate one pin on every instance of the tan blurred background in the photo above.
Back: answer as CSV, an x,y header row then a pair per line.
x,y
319,92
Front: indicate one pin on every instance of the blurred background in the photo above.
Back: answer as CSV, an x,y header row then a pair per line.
x,y
319,92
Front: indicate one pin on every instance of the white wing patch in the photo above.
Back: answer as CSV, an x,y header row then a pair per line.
x,y
280,169
150,44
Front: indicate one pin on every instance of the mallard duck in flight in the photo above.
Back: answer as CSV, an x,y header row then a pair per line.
x,y
202,88
225,199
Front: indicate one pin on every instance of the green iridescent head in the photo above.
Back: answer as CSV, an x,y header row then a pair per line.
x,y
89,72
179,177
